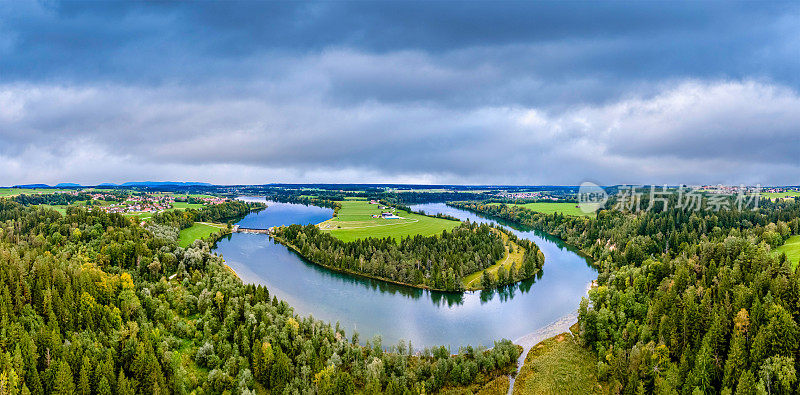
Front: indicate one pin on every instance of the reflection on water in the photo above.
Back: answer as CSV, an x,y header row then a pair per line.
x,y
399,312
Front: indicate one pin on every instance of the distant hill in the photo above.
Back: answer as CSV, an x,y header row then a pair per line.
x,y
29,186
68,185
163,183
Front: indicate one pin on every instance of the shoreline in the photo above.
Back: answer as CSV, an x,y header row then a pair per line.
x,y
528,341
378,278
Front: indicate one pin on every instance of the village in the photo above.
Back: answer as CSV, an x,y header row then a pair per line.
x,y
153,203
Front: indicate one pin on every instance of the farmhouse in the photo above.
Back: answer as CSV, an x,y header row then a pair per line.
x,y
388,215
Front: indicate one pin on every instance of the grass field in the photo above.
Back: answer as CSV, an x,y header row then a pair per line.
x,y
141,215
4,192
558,365
550,208
473,281
781,195
792,249
60,208
184,205
354,222
198,231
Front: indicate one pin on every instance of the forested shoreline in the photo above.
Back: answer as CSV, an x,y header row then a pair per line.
x,y
687,301
230,211
438,262
86,307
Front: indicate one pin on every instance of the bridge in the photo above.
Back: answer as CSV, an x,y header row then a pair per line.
x,y
239,229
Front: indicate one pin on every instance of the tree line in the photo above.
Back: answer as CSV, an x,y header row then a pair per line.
x,y
225,212
437,262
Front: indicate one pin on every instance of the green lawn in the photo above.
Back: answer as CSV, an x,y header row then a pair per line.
x,y
550,208
355,221
184,205
791,248
558,365
198,231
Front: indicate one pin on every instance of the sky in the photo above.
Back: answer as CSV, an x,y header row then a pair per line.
x,y
440,92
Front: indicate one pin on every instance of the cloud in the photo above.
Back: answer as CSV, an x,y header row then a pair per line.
x,y
518,93
725,131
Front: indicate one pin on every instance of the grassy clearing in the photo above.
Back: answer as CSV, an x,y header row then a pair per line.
x,y
184,205
473,281
199,230
60,208
142,215
792,249
355,221
558,365
550,208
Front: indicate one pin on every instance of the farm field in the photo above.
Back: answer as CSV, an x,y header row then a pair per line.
x,y
781,195
550,208
354,222
558,365
198,231
473,281
791,248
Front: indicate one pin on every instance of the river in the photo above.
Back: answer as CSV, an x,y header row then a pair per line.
x,y
422,317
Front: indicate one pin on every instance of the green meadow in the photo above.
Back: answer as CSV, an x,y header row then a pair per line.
x,y
781,195
558,365
4,192
60,208
792,249
354,221
199,230
554,207
184,205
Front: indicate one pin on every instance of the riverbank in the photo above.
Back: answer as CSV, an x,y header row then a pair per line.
x,y
514,257
509,222
556,364
492,269
350,272
398,311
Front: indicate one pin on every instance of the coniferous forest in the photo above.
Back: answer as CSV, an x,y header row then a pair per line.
x,y
687,301
95,303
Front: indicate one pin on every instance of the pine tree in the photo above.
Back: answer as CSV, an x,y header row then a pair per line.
x,y
63,383
83,379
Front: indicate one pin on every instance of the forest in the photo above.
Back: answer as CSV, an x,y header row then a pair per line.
x,y
95,303
224,212
438,262
687,301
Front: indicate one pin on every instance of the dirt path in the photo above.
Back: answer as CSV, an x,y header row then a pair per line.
x,y
559,326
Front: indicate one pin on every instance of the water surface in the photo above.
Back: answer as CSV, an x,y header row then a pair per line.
x,y
425,318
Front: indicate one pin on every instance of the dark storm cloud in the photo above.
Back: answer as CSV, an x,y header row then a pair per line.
x,y
512,92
